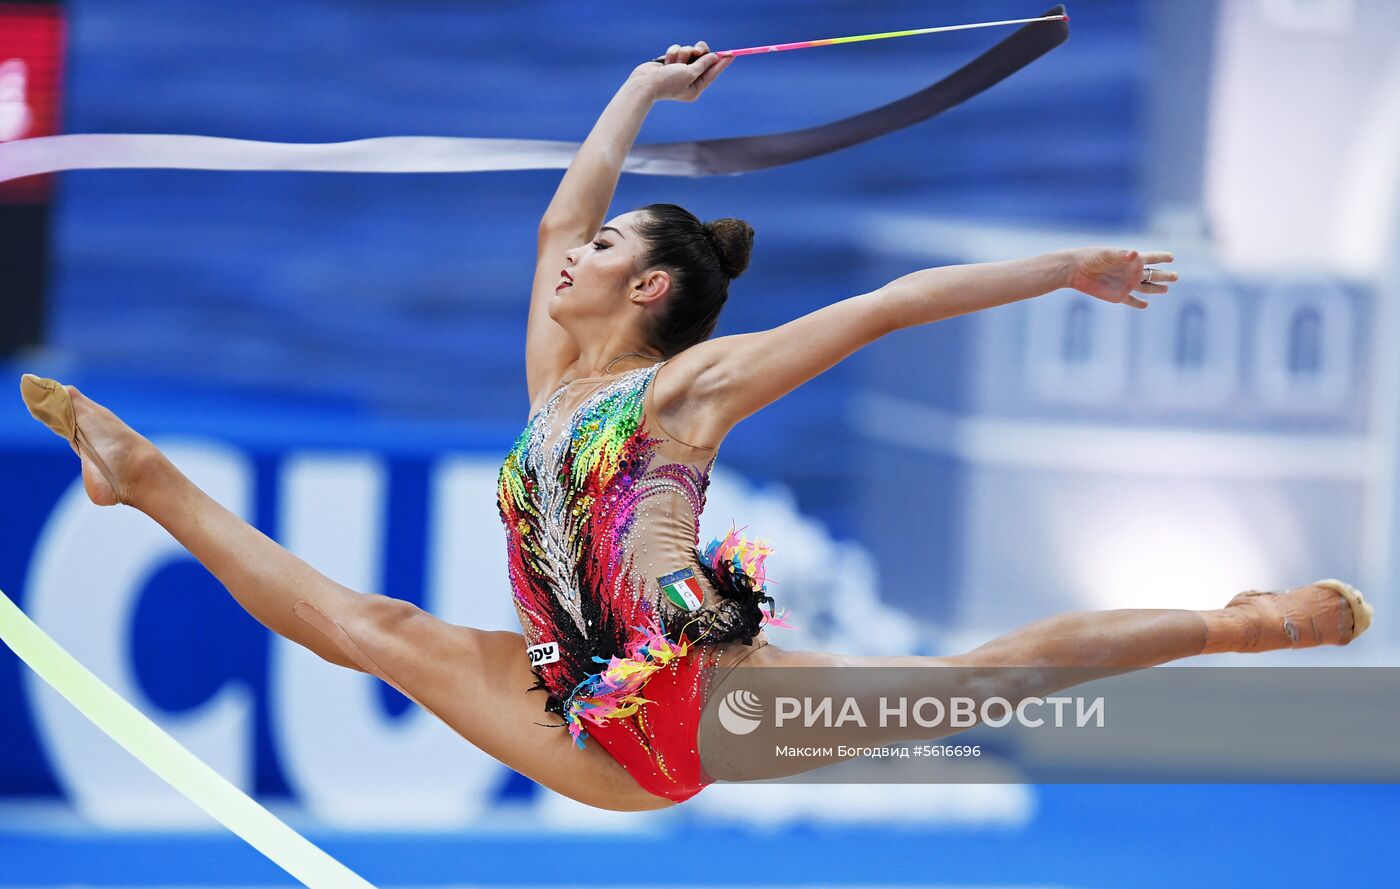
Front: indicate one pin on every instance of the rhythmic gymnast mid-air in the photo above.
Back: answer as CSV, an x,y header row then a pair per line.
x,y
628,626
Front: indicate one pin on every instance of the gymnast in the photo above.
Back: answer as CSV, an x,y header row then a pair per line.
x,y
628,626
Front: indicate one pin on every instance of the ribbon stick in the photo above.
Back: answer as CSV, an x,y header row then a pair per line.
x,y
441,154
832,41
165,756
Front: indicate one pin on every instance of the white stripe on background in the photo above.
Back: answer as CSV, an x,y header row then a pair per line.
x,y
1102,447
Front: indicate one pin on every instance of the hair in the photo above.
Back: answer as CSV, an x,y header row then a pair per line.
x,y
702,258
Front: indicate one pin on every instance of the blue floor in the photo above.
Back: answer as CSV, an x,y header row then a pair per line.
x,y
1092,836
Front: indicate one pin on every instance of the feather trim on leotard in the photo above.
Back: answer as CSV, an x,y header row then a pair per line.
x,y
734,565
615,691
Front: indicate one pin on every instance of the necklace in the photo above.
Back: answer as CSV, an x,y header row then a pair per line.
x,y
607,371
608,368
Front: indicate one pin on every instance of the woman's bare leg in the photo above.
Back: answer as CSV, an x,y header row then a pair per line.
x,y
1041,658
266,579
1101,642
476,681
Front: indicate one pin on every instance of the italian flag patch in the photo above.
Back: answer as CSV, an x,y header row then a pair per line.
x,y
682,589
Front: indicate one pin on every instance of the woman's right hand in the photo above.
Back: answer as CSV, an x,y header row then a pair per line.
x,y
685,73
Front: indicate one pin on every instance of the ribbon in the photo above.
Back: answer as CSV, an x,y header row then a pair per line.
x,y
443,154
163,755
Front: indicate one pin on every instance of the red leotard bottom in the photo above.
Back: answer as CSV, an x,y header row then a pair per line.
x,y
656,745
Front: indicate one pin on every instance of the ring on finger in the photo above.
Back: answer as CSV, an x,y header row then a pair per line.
x,y
1147,276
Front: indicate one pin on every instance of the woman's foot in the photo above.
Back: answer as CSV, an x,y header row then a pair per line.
x,y
112,453
1327,612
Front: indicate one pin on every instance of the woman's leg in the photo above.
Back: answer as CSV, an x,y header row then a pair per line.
x,y
475,681
1041,658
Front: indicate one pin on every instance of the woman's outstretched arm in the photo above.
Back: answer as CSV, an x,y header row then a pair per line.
x,y
580,204
732,377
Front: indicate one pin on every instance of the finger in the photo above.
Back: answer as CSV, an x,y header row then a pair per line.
x,y
704,66
687,53
672,52
1151,288
1130,257
1154,258
1162,276
710,66
1134,302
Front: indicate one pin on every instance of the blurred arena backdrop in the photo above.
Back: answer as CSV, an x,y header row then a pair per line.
x,y
339,358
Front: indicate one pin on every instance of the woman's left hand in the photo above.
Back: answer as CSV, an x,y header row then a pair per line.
x,y
1112,275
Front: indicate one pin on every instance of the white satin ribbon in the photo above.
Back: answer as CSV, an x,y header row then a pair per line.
x,y
446,154
165,756
389,154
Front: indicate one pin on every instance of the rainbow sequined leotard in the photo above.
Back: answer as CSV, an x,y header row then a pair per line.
x,y
601,510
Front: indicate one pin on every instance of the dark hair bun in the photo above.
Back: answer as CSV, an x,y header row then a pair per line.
x,y
733,242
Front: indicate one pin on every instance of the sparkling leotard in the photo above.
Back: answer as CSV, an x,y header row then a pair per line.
x,y
599,506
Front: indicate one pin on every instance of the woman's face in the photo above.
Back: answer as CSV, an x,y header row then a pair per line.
x,y
596,277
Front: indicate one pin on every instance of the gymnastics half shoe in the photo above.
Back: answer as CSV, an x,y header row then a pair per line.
x,y
51,404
